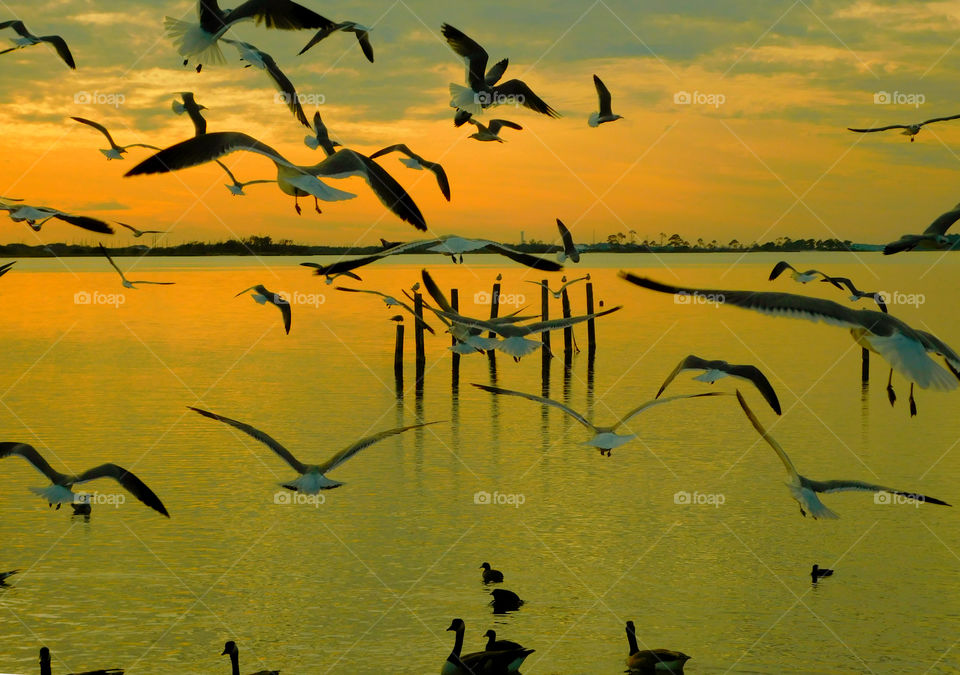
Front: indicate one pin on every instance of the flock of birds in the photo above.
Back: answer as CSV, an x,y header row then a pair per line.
x,y
906,349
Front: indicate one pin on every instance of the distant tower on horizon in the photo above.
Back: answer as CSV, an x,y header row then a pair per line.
x,y
522,240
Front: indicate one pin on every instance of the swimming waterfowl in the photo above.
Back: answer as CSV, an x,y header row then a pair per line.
x,y
505,601
45,668
491,575
230,649
495,645
481,663
818,573
652,660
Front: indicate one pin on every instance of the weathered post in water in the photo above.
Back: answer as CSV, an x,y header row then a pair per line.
x,y
545,313
568,331
591,323
455,372
398,359
865,366
418,336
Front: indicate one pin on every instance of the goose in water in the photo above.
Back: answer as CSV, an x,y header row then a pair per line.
x,y
312,476
199,41
490,575
261,296
559,292
362,33
263,61
45,668
652,660
487,662
28,39
905,348
139,233
910,130
570,250
505,601
480,93
126,282
932,238
188,104
292,179
6,575
606,112
230,649
495,645
37,216
604,438
114,151
415,161
818,573
805,490
60,492
715,370
236,188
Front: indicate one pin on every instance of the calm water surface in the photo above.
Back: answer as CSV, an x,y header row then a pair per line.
x,y
367,582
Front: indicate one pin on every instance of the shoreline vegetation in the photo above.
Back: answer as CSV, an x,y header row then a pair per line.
x,y
266,246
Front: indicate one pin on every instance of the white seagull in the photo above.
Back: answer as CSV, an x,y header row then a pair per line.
x,y
910,130
606,113
805,490
114,151
139,233
260,59
491,132
293,179
261,296
415,161
605,438
362,33
28,39
236,187
312,476
570,250
199,41
37,216
906,349
390,301
932,238
715,370
559,292
59,492
320,138
799,277
188,104
127,283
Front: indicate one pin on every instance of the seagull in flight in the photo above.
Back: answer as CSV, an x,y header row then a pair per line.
x,y
139,233
491,132
236,187
857,294
480,92
126,282
293,179
570,250
37,216
805,490
312,476
932,238
605,438
6,575
910,130
114,151
799,277
391,301
28,39
415,161
320,138
330,278
260,59
60,492
559,292
199,41
261,295
188,104
362,33
715,370
906,349
6,267
606,112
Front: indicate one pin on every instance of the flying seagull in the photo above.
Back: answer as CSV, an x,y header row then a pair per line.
x,y
856,293
559,292
261,295
37,216
292,179
606,112
188,104
320,138
114,151
127,283
199,41
6,267
715,370
312,476
805,490
260,59
605,438
910,130
236,187
6,575
28,39
390,301
330,278
479,93
570,249
60,491
139,233
906,349
491,132
362,33
415,161
932,238
799,277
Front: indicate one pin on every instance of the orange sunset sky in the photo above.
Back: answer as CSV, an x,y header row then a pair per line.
x,y
770,157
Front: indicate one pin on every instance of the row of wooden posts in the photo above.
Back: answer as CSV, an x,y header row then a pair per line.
x,y
569,343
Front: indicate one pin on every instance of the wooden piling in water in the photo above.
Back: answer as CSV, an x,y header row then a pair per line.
x,y
494,313
865,366
591,323
398,359
545,313
418,335
455,304
568,331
